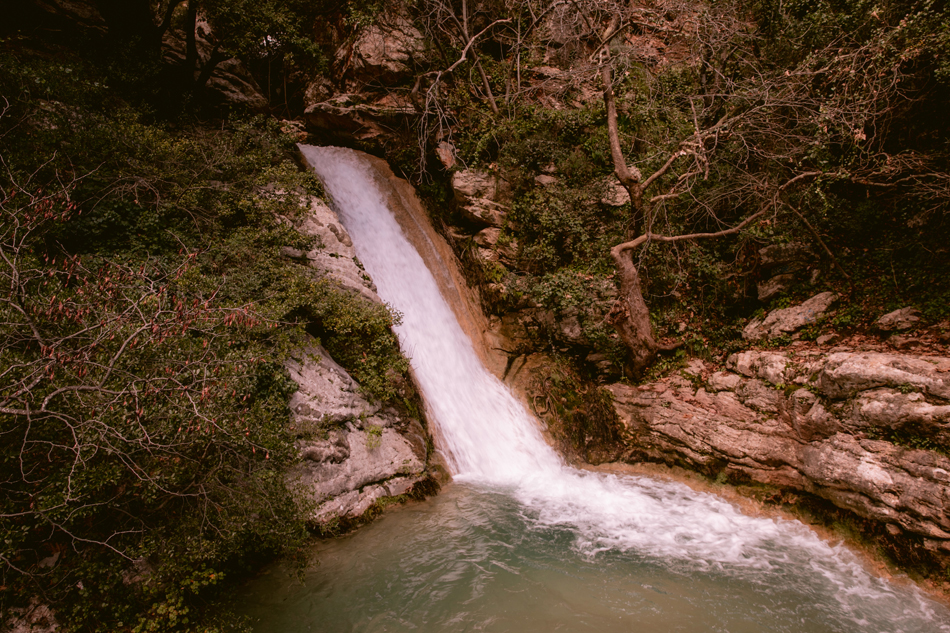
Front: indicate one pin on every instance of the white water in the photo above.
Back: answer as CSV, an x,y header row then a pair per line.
x,y
492,441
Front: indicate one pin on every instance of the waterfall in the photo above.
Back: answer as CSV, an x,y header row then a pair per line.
x,y
490,439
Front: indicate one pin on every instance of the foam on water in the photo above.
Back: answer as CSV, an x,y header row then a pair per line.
x,y
492,441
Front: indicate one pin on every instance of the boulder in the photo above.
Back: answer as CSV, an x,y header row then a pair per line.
x,y
774,286
788,320
351,452
476,193
382,52
903,319
616,195
446,153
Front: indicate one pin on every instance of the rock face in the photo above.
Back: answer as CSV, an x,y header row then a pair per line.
x,y
868,432
788,320
333,254
230,80
477,194
382,52
352,452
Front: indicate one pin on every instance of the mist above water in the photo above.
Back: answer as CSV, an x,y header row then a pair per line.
x,y
618,525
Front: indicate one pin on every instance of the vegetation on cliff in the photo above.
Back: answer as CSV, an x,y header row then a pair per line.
x,y
145,315
812,123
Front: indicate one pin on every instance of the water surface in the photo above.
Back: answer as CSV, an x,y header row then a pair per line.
x,y
523,542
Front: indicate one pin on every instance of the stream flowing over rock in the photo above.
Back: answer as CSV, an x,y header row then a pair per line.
x,y
867,431
353,451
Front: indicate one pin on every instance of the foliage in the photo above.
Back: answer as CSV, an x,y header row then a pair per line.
x,y
580,416
144,319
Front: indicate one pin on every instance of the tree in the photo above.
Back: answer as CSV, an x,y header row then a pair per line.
x,y
133,404
763,130
232,28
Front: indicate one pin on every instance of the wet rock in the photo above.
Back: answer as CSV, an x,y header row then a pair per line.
x,y
788,320
903,319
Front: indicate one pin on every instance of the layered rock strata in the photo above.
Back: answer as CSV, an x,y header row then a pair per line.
x,y
868,432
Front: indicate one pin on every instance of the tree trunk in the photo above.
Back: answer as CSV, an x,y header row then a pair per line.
x,y
630,316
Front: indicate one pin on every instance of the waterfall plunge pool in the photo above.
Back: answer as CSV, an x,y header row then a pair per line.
x,y
476,559
521,542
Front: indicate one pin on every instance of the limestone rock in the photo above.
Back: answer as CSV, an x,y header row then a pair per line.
x,y
774,286
616,195
372,457
902,319
230,79
476,193
446,153
383,52
487,238
891,409
807,439
354,503
846,373
326,394
362,116
33,618
788,320
334,255
770,366
352,453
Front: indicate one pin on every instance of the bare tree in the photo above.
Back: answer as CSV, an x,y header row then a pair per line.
x,y
755,127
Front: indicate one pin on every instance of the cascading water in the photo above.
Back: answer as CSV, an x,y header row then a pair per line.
x,y
622,528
